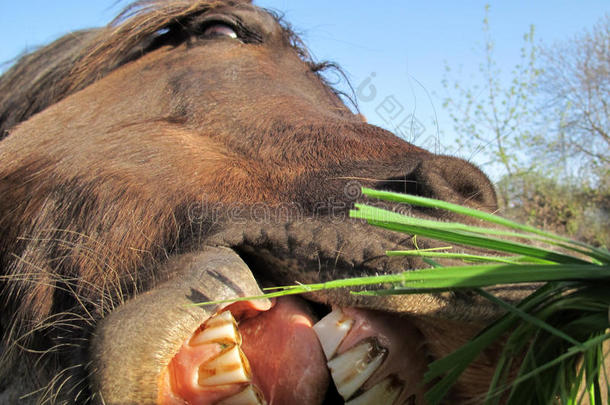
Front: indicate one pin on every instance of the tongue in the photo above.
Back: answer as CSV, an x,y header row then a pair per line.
x,y
286,358
278,354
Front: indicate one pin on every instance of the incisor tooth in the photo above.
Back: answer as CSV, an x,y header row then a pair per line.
x,y
221,318
249,396
384,392
220,329
351,369
229,367
331,331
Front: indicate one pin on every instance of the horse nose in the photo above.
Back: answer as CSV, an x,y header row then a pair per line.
x,y
446,178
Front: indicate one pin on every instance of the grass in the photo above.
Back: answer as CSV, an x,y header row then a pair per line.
x,y
554,337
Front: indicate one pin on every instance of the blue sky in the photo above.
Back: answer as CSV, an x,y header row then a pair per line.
x,y
404,44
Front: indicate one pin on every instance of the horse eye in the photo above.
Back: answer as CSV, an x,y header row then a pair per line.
x,y
219,30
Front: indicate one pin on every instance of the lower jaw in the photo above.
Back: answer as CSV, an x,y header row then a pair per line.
x,y
287,355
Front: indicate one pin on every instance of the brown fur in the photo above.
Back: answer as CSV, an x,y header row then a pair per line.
x,y
121,141
80,58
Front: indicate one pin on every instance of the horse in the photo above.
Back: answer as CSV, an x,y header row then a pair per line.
x,y
192,151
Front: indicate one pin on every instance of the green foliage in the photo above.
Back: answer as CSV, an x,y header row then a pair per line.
x,y
568,207
546,126
574,88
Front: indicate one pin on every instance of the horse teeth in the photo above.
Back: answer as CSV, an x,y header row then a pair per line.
x,y
229,367
331,331
221,329
351,369
384,392
249,396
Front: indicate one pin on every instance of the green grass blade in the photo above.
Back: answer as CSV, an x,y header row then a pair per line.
x,y
600,254
527,317
451,277
486,275
383,215
571,352
461,256
479,241
458,209
449,368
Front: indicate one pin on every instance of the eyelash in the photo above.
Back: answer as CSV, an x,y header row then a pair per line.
x,y
185,31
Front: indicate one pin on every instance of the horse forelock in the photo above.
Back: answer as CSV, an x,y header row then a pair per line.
x,y
75,61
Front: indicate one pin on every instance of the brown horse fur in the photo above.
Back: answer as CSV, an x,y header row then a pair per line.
x,y
71,63
127,145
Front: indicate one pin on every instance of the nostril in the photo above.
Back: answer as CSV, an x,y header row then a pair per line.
x,y
467,190
462,182
399,184
445,178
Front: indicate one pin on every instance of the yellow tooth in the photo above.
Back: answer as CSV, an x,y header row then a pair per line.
x,y
351,369
331,331
220,329
249,396
230,367
384,392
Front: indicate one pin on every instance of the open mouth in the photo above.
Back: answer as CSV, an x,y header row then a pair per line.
x,y
296,351
287,355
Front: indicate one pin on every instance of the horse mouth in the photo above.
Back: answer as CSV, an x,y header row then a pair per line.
x,y
289,355
297,351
